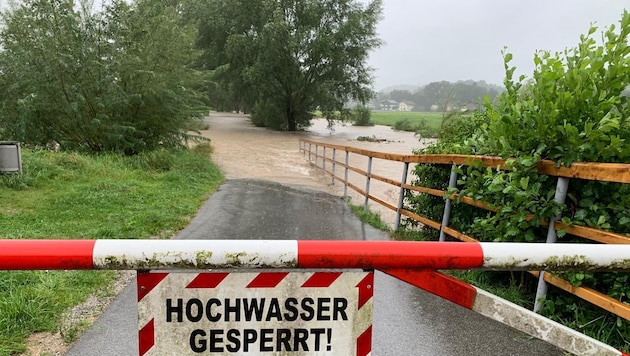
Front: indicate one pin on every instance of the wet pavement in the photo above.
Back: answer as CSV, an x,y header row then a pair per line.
x,y
407,320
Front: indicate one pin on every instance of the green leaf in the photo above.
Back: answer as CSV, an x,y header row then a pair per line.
x,y
524,183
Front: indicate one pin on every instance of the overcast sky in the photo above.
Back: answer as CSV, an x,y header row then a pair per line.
x,y
427,41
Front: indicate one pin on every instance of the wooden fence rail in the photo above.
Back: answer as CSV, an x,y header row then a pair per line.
x,y
608,172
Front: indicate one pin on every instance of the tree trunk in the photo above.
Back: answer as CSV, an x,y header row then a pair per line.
x,y
291,122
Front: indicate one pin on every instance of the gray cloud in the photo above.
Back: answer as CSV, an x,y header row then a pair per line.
x,y
454,40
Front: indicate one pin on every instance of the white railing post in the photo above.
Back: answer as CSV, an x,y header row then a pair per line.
x,y
334,157
309,152
367,183
345,176
562,186
401,195
324,162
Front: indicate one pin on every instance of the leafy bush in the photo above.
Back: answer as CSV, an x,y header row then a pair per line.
x,y
404,125
267,114
113,81
421,129
361,116
572,109
452,140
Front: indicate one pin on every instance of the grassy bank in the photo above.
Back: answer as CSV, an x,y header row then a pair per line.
x,y
69,195
389,118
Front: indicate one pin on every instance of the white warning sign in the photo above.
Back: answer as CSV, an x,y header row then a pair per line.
x,y
255,313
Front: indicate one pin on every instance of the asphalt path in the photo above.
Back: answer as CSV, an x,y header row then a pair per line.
x,y
407,320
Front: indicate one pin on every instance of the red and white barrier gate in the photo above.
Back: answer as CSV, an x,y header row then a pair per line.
x,y
413,262
381,255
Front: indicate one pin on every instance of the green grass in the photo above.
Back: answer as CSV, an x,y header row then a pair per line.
x,y
389,118
75,196
368,217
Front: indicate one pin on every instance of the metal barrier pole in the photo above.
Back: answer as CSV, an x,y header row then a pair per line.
x,y
316,155
448,205
130,254
562,186
401,195
367,183
345,177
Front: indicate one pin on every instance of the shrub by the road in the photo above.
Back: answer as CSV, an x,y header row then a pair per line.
x,y
572,109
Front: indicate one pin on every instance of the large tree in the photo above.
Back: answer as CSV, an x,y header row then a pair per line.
x,y
286,58
115,80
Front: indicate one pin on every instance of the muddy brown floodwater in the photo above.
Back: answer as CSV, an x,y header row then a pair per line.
x,y
244,151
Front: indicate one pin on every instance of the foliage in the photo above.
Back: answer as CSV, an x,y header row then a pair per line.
x,y
265,114
405,125
362,116
581,316
35,300
452,137
570,110
423,130
286,59
118,80
73,195
369,217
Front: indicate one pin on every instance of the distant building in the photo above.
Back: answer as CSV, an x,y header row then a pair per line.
x,y
389,105
406,105
468,107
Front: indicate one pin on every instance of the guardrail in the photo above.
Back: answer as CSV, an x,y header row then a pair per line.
x,y
324,156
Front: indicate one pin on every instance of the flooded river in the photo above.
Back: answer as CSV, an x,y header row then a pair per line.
x,y
244,151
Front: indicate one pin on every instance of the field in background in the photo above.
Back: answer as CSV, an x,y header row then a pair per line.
x,y
389,118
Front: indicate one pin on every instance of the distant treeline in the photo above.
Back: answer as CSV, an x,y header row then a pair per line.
x,y
442,95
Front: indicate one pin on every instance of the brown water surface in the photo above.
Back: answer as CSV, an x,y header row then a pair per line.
x,y
244,151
